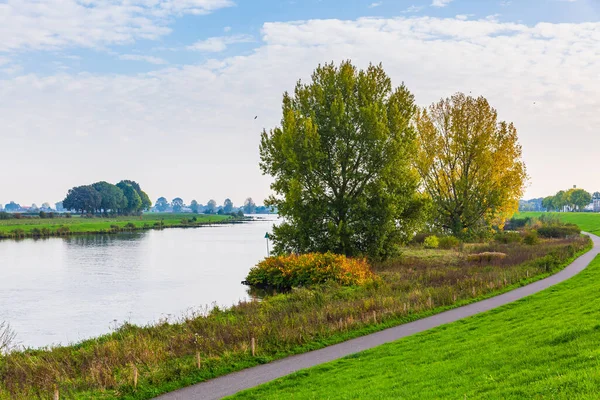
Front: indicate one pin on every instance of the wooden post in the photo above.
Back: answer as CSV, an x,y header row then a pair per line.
x,y
374,316
253,347
198,360
135,376
56,394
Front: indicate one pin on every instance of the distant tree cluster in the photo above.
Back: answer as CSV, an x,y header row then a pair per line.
x,y
177,205
531,205
569,200
126,197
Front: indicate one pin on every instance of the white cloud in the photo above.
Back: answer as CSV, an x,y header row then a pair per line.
x,y
441,3
139,57
219,43
412,9
464,17
196,123
227,29
377,4
51,24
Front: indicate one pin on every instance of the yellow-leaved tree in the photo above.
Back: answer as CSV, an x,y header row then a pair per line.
x,y
470,164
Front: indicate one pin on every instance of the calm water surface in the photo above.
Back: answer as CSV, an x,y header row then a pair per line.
x,y
64,290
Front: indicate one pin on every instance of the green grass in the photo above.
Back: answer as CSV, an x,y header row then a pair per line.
x,y
16,228
589,222
544,346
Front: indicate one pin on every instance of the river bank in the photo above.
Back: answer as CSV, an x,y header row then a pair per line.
x,y
62,226
166,356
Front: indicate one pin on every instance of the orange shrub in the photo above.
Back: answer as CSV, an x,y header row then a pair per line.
x,y
309,269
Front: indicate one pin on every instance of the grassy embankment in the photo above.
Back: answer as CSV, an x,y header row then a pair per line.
x,y
36,227
544,346
168,356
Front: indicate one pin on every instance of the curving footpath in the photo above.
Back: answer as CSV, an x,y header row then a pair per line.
x,y
230,384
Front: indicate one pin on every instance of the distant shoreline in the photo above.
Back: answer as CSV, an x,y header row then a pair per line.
x,y
37,228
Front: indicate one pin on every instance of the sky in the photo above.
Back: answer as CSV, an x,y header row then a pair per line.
x,y
165,92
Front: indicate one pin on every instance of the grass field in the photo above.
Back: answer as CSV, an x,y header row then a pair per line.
x,y
544,346
589,222
36,227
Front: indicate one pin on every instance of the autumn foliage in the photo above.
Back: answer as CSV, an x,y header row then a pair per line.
x,y
309,269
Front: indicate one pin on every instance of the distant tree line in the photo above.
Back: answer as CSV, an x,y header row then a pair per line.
x,y
531,205
570,200
124,198
178,205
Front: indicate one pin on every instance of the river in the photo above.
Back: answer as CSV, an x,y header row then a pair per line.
x,y
63,290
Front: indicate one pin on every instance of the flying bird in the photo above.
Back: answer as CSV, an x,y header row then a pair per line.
x,y
256,117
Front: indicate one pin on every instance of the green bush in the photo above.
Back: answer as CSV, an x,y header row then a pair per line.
x,y
130,225
517,223
449,242
63,230
531,238
18,233
559,231
508,237
431,242
420,237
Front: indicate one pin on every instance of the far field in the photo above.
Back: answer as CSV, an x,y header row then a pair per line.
x,y
27,227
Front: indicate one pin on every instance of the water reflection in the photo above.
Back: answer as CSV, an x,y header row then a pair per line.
x,y
59,290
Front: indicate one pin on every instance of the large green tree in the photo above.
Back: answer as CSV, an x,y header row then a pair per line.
x,y
560,200
134,201
83,199
548,203
470,164
579,199
342,164
146,203
112,196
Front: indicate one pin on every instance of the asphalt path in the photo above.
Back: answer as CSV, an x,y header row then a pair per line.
x,y
248,378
